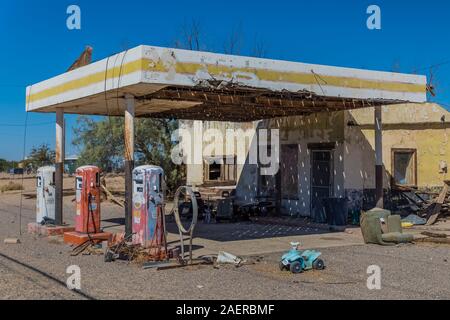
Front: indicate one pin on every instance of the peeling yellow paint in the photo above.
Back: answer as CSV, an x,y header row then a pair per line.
x,y
224,71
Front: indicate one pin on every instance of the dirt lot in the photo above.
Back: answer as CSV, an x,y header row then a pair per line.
x,y
36,268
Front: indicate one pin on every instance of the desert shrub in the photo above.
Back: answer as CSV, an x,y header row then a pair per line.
x,y
11,186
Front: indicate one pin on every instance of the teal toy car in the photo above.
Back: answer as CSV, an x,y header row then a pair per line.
x,y
298,261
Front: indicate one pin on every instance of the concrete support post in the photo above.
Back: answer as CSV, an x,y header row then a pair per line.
x,y
59,166
378,157
129,162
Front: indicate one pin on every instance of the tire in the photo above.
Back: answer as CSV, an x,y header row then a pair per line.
x,y
281,266
318,264
296,267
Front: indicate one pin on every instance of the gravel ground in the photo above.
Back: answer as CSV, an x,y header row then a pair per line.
x,y
408,272
19,282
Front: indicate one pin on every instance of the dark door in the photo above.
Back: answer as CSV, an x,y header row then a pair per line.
x,y
321,182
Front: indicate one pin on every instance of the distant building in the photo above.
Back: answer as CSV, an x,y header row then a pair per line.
x,y
70,164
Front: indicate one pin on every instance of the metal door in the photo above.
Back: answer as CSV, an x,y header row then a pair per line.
x,y
321,182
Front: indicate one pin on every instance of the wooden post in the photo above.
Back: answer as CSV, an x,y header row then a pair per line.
x,y
129,162
59,166
378,157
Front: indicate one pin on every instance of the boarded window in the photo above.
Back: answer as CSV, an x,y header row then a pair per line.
x,y
404,167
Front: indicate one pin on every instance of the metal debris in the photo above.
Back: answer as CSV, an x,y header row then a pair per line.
x,y
11,241
228,258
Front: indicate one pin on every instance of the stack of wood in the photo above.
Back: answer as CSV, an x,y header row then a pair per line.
x,y
439,206
428,205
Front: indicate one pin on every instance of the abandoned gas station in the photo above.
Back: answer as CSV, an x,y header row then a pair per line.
x,y
187,85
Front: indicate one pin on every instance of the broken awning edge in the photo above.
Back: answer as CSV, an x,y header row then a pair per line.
x,y
157,66
219,103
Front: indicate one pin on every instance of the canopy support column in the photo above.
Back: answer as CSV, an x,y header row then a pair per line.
x,y
129,161
59,165
378,157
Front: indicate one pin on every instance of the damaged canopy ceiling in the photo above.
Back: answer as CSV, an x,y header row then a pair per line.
x,y
173,83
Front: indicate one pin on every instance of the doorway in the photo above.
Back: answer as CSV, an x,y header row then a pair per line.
x,y
321,182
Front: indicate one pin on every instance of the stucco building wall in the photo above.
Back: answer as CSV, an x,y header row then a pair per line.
x,y
424,127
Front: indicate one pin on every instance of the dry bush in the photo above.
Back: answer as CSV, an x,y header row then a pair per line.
x,y
11,186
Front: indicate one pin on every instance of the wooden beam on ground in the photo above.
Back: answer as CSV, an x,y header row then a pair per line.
x,y
435,209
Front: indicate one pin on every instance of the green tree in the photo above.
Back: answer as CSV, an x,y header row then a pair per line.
x,y
40,156
102,144
4,165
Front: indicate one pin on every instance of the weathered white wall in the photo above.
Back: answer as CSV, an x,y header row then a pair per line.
x,y
354,157
318,128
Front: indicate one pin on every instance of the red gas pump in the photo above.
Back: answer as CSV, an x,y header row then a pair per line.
x,y
87,219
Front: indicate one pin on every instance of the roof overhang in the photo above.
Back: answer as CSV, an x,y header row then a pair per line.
x,y
174,83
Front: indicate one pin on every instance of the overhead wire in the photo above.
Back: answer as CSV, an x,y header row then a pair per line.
x,y
23,158
111,133
440,64
29,124
127,151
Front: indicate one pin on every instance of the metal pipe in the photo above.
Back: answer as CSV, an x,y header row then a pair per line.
x,y
378,157
181,230
59,165
129,161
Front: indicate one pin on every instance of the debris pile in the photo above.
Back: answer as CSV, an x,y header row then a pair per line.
x,y
428,207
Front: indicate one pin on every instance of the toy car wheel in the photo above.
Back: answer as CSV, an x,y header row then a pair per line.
x,y
282,266
318,264
296,267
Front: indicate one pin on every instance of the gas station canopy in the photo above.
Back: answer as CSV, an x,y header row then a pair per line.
x,y
174,83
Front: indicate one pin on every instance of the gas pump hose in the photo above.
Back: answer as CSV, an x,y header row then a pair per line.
x,y
91,213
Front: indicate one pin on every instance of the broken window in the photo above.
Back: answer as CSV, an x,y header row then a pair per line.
x,y
404,169
214,171
220,169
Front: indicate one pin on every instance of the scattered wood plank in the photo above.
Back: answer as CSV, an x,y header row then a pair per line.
x,y
434,240
112,198
434,210
434,235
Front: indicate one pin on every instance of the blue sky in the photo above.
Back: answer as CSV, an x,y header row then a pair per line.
x,y
36,43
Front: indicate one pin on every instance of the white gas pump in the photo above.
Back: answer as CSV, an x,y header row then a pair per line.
x,y
45,194
148,206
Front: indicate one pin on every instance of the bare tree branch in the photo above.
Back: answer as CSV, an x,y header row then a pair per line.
x,y
233,43
259,49
190,36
